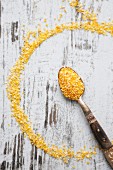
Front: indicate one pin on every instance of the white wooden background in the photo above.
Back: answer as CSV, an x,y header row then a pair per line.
x,y
60,121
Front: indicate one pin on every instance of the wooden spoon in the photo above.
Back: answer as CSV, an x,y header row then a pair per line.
x,y
73,88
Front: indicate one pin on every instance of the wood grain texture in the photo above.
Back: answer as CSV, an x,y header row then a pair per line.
x,y
60,121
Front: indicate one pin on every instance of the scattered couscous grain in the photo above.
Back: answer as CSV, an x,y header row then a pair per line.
x,y
60,16
45,20
87,163
86,15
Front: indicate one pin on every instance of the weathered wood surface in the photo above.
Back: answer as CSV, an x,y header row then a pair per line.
x,y
60,121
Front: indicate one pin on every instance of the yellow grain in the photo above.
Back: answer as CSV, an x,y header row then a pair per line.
x,y
70,83
45,20
60,16
87,15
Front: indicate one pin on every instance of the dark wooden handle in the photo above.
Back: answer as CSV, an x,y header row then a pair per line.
x,y
109,156
102,138
95,126
99,132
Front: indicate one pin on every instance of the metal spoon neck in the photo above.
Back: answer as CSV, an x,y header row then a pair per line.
x,y
84,107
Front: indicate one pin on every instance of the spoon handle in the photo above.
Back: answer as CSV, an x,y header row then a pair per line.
x,y
95,126
99,133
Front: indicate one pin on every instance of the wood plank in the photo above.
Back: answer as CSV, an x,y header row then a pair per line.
x,y
60,121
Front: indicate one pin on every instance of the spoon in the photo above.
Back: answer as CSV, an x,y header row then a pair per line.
x,y
73,88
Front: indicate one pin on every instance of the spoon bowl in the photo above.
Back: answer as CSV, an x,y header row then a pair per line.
x,y
70,83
